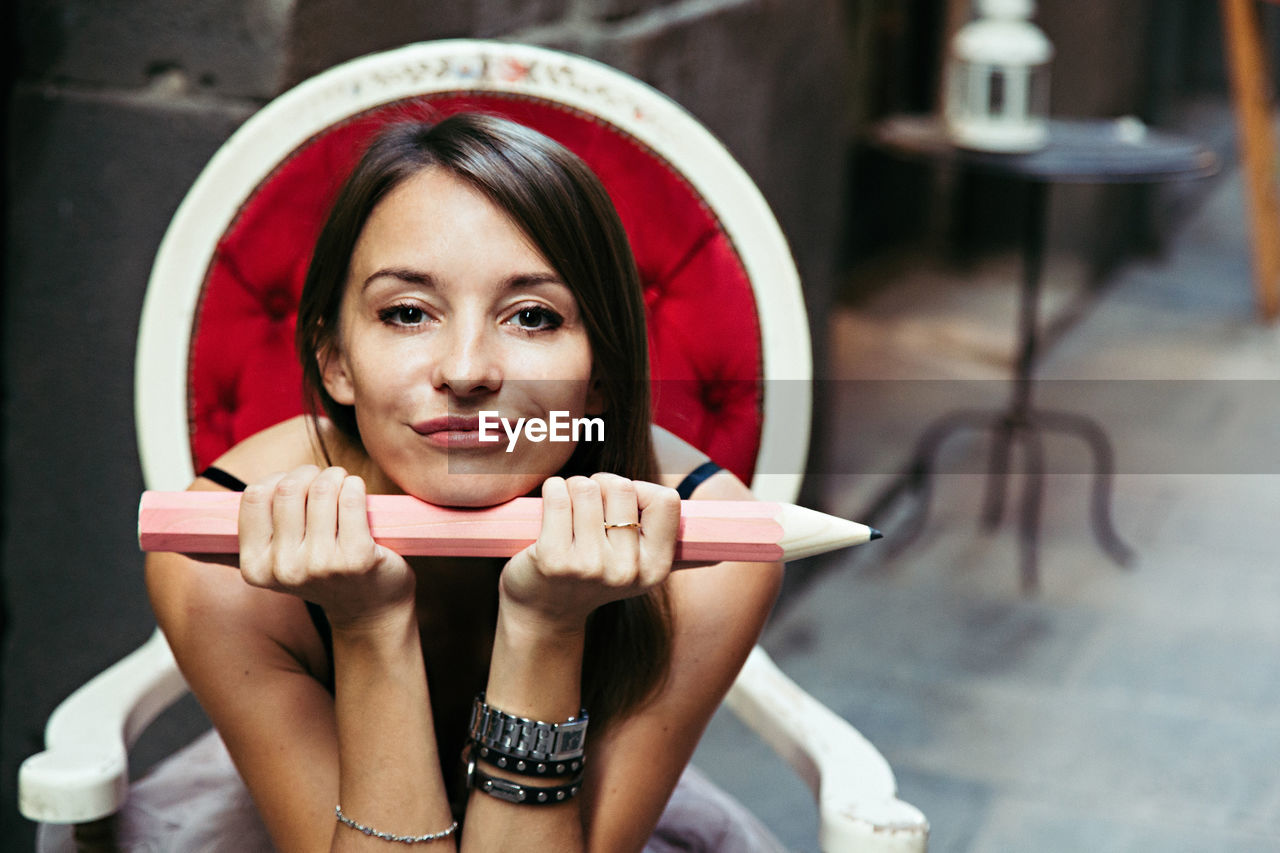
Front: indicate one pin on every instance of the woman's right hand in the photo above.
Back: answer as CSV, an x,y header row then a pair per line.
x,y
307,533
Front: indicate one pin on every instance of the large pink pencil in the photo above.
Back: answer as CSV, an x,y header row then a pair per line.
x,y
205,523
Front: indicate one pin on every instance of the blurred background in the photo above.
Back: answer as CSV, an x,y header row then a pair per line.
x,y
1114,709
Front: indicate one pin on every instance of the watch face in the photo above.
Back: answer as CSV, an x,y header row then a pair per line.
x,y
571,741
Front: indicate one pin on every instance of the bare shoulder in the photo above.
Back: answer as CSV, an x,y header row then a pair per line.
x,y
677,457
286,446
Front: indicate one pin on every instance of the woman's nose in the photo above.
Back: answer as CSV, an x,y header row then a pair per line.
x,y
469,362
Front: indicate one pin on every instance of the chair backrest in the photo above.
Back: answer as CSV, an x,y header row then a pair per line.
x,y
728,333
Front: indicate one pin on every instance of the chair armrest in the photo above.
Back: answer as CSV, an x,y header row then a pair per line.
x,y
83,774
852,782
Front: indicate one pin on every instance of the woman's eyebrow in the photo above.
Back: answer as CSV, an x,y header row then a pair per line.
x,y
424,279
534,279
412,276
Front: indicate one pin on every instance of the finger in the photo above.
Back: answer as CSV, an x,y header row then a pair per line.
x,y
255,528
620,507
659,508
556,531
353,516
321,508
289,508
588,513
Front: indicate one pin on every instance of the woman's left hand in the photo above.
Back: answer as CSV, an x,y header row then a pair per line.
x,y
577,564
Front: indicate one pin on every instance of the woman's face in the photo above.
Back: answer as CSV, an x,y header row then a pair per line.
x,y
448,312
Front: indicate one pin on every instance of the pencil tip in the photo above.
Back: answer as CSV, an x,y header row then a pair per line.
x,y
875,534
806,532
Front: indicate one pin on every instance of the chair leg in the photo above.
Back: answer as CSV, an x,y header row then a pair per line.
x,y
1254,119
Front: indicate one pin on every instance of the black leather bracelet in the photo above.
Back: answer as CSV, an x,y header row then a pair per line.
x,y
514,792
526,766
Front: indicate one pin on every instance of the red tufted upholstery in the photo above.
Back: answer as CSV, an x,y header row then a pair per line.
x,y
704,335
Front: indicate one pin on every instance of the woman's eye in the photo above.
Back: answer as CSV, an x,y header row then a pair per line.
x,y
402,315
536,318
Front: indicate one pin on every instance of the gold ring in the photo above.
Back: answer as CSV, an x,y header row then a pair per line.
x,y
633,525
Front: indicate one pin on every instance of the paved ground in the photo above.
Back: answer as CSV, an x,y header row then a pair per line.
x,y
1117,710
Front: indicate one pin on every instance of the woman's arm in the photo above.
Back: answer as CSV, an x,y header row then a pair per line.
x,y
546,594
633,766
718,613
254,660
250,656
389,769
247,655
307,533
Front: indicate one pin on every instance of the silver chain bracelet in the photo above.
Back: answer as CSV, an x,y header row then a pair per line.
x,y
387,836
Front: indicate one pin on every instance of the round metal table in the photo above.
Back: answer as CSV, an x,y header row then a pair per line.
x,y
1078,151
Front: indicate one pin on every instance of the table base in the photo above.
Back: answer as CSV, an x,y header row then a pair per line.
x,y
1008,428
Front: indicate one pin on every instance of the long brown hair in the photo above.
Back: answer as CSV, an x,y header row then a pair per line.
x,y
560,205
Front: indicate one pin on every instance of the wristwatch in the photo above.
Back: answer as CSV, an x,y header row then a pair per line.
x,y
526,738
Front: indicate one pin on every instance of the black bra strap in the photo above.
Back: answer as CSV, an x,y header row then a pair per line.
x,y
222,478
695,478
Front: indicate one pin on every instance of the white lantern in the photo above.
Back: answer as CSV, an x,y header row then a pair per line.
x,y
997,88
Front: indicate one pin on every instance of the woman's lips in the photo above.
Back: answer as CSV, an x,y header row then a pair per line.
x,y
453,431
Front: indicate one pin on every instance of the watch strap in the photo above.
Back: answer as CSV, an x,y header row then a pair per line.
x,y
521,737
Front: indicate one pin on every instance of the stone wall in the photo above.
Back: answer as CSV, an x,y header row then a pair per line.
x,y
115,108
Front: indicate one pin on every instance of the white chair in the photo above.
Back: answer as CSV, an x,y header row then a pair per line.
x,y
230,268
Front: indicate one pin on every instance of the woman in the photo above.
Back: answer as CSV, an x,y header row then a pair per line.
x,y
468,267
